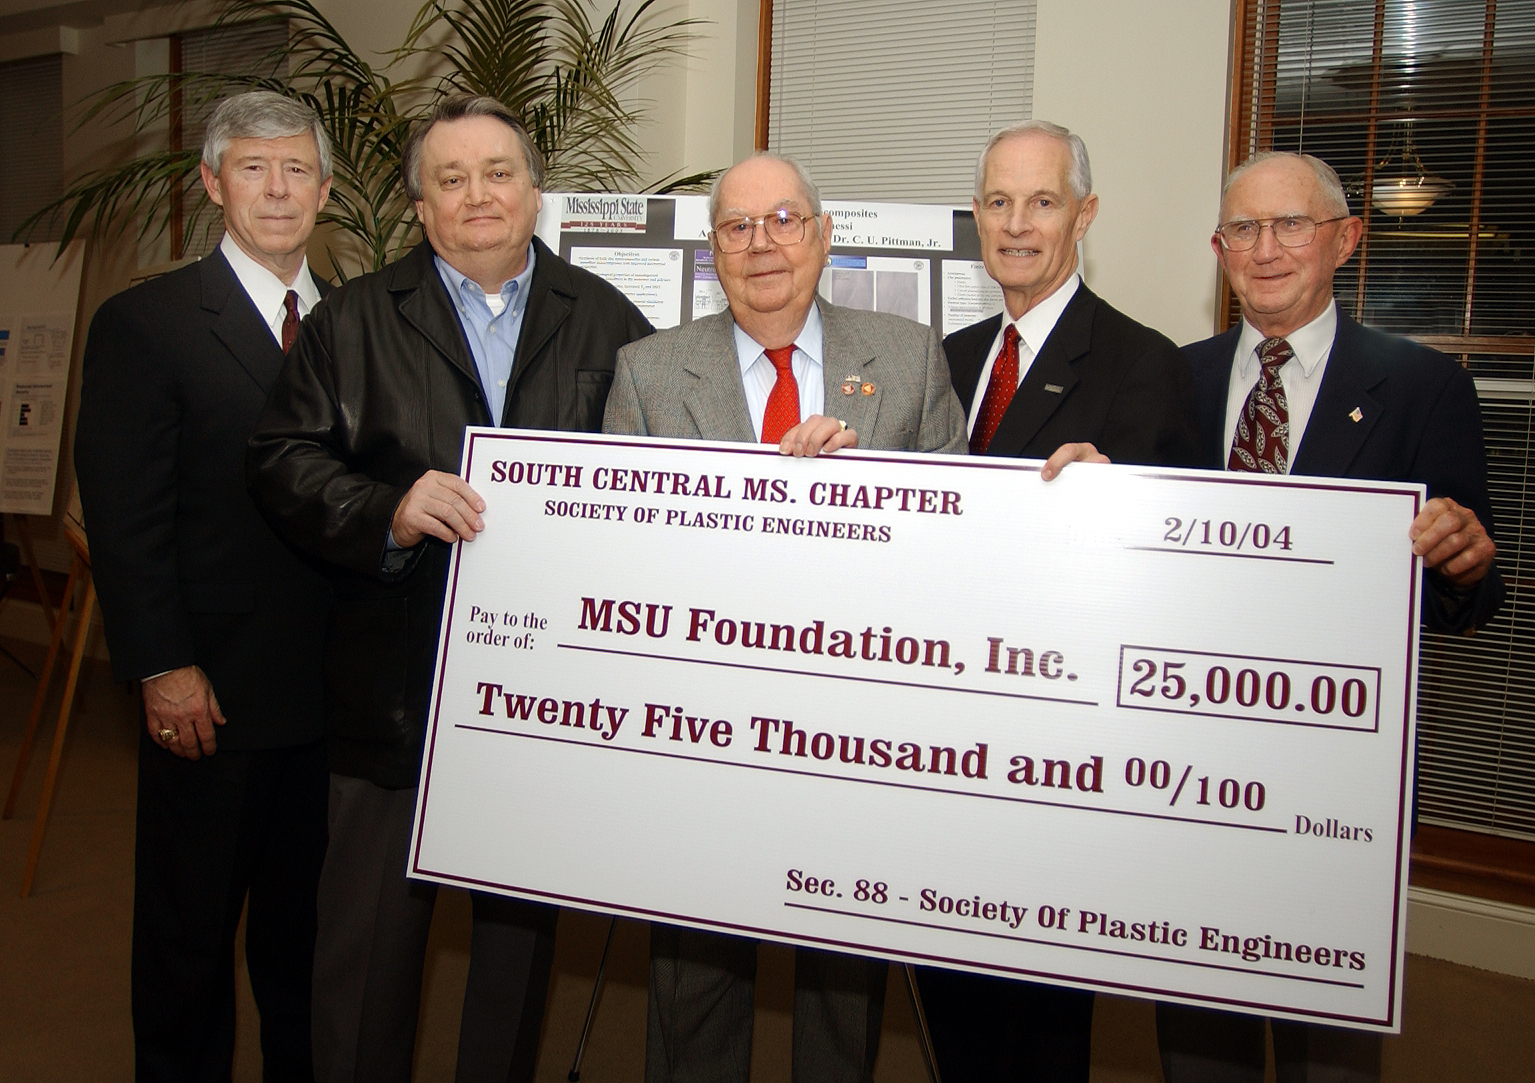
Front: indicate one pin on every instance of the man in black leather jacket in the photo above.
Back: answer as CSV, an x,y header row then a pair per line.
x,y
355,460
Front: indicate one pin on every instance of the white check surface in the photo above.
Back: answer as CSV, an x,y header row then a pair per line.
x,y
1147,731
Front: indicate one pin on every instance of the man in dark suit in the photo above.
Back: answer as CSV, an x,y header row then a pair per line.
x,y
356,460
1300,388
1072,370
204,605
785,368
1059,374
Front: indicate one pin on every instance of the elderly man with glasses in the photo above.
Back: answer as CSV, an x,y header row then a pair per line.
x,y
1300,388
784,367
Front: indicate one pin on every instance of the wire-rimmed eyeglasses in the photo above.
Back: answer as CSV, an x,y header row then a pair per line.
x,y
783,227
1292,231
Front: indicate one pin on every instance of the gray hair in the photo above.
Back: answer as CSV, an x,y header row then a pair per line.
x,y
1080,176
460,107
262,114
811,192
1326,178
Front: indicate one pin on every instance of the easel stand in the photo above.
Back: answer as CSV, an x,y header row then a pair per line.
x,y
924,1036
29,557
79,572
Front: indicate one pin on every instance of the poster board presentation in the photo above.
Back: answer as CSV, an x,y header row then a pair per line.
x,y
919,261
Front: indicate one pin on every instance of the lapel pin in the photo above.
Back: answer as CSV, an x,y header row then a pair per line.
x,y
867,389
849,386
1054,389
1357,414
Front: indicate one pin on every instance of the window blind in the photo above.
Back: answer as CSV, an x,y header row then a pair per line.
x,y
32,133
1426,108
893,101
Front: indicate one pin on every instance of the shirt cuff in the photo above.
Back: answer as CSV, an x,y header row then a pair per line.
x,y
395,557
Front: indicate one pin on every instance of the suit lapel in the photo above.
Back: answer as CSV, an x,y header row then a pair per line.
x,y
1050,378
423,302
549,304
237,324
966,350
845,360
1212,384
714,399
1345,410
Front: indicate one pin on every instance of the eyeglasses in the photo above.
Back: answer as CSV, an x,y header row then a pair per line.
x,y
1292,231
783,227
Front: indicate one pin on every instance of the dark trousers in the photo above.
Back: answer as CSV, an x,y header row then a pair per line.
x,y
372,948
213,834
1200,1045
996,1030
702,989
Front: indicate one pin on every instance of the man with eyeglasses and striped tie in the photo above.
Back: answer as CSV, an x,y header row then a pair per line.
x,y
1300,388
784,367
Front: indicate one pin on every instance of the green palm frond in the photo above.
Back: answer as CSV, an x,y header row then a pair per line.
x,y
111,200
493,47
673,183
564,71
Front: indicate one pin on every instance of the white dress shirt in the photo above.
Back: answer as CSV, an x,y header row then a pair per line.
x,y
758,374
268,292
1301,376
1034,326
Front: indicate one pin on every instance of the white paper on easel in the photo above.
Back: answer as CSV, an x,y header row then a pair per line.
x,y
38,299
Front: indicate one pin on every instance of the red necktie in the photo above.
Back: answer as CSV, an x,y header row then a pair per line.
x,y
999,393
1262,437
290,321
782,412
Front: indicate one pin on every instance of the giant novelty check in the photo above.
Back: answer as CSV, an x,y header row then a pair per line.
x,y
1139,730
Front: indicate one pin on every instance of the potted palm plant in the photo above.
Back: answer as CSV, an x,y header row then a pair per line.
x,y
555,62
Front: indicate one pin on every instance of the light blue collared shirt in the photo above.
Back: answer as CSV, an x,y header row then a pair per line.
x,y
492,325
492,339
758,374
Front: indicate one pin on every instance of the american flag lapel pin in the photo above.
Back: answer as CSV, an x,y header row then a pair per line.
x,y
1356,414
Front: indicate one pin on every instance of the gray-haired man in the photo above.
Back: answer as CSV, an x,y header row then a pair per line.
x,y
772,369
218,619
1062,374
1350,402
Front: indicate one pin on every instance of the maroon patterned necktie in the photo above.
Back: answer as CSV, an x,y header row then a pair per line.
x,y
782,412
1262,439
289,321
999,393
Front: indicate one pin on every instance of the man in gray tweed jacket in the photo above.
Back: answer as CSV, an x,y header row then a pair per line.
x,y
784,367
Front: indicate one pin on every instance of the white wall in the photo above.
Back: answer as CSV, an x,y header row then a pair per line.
x,y
1145,86
703,107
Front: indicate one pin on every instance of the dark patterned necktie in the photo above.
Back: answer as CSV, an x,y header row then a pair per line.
x,y
289,321
782,412
1262,439
999,393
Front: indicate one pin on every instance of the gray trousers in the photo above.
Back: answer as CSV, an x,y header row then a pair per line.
x,y
1199,1045
701,994
371,949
